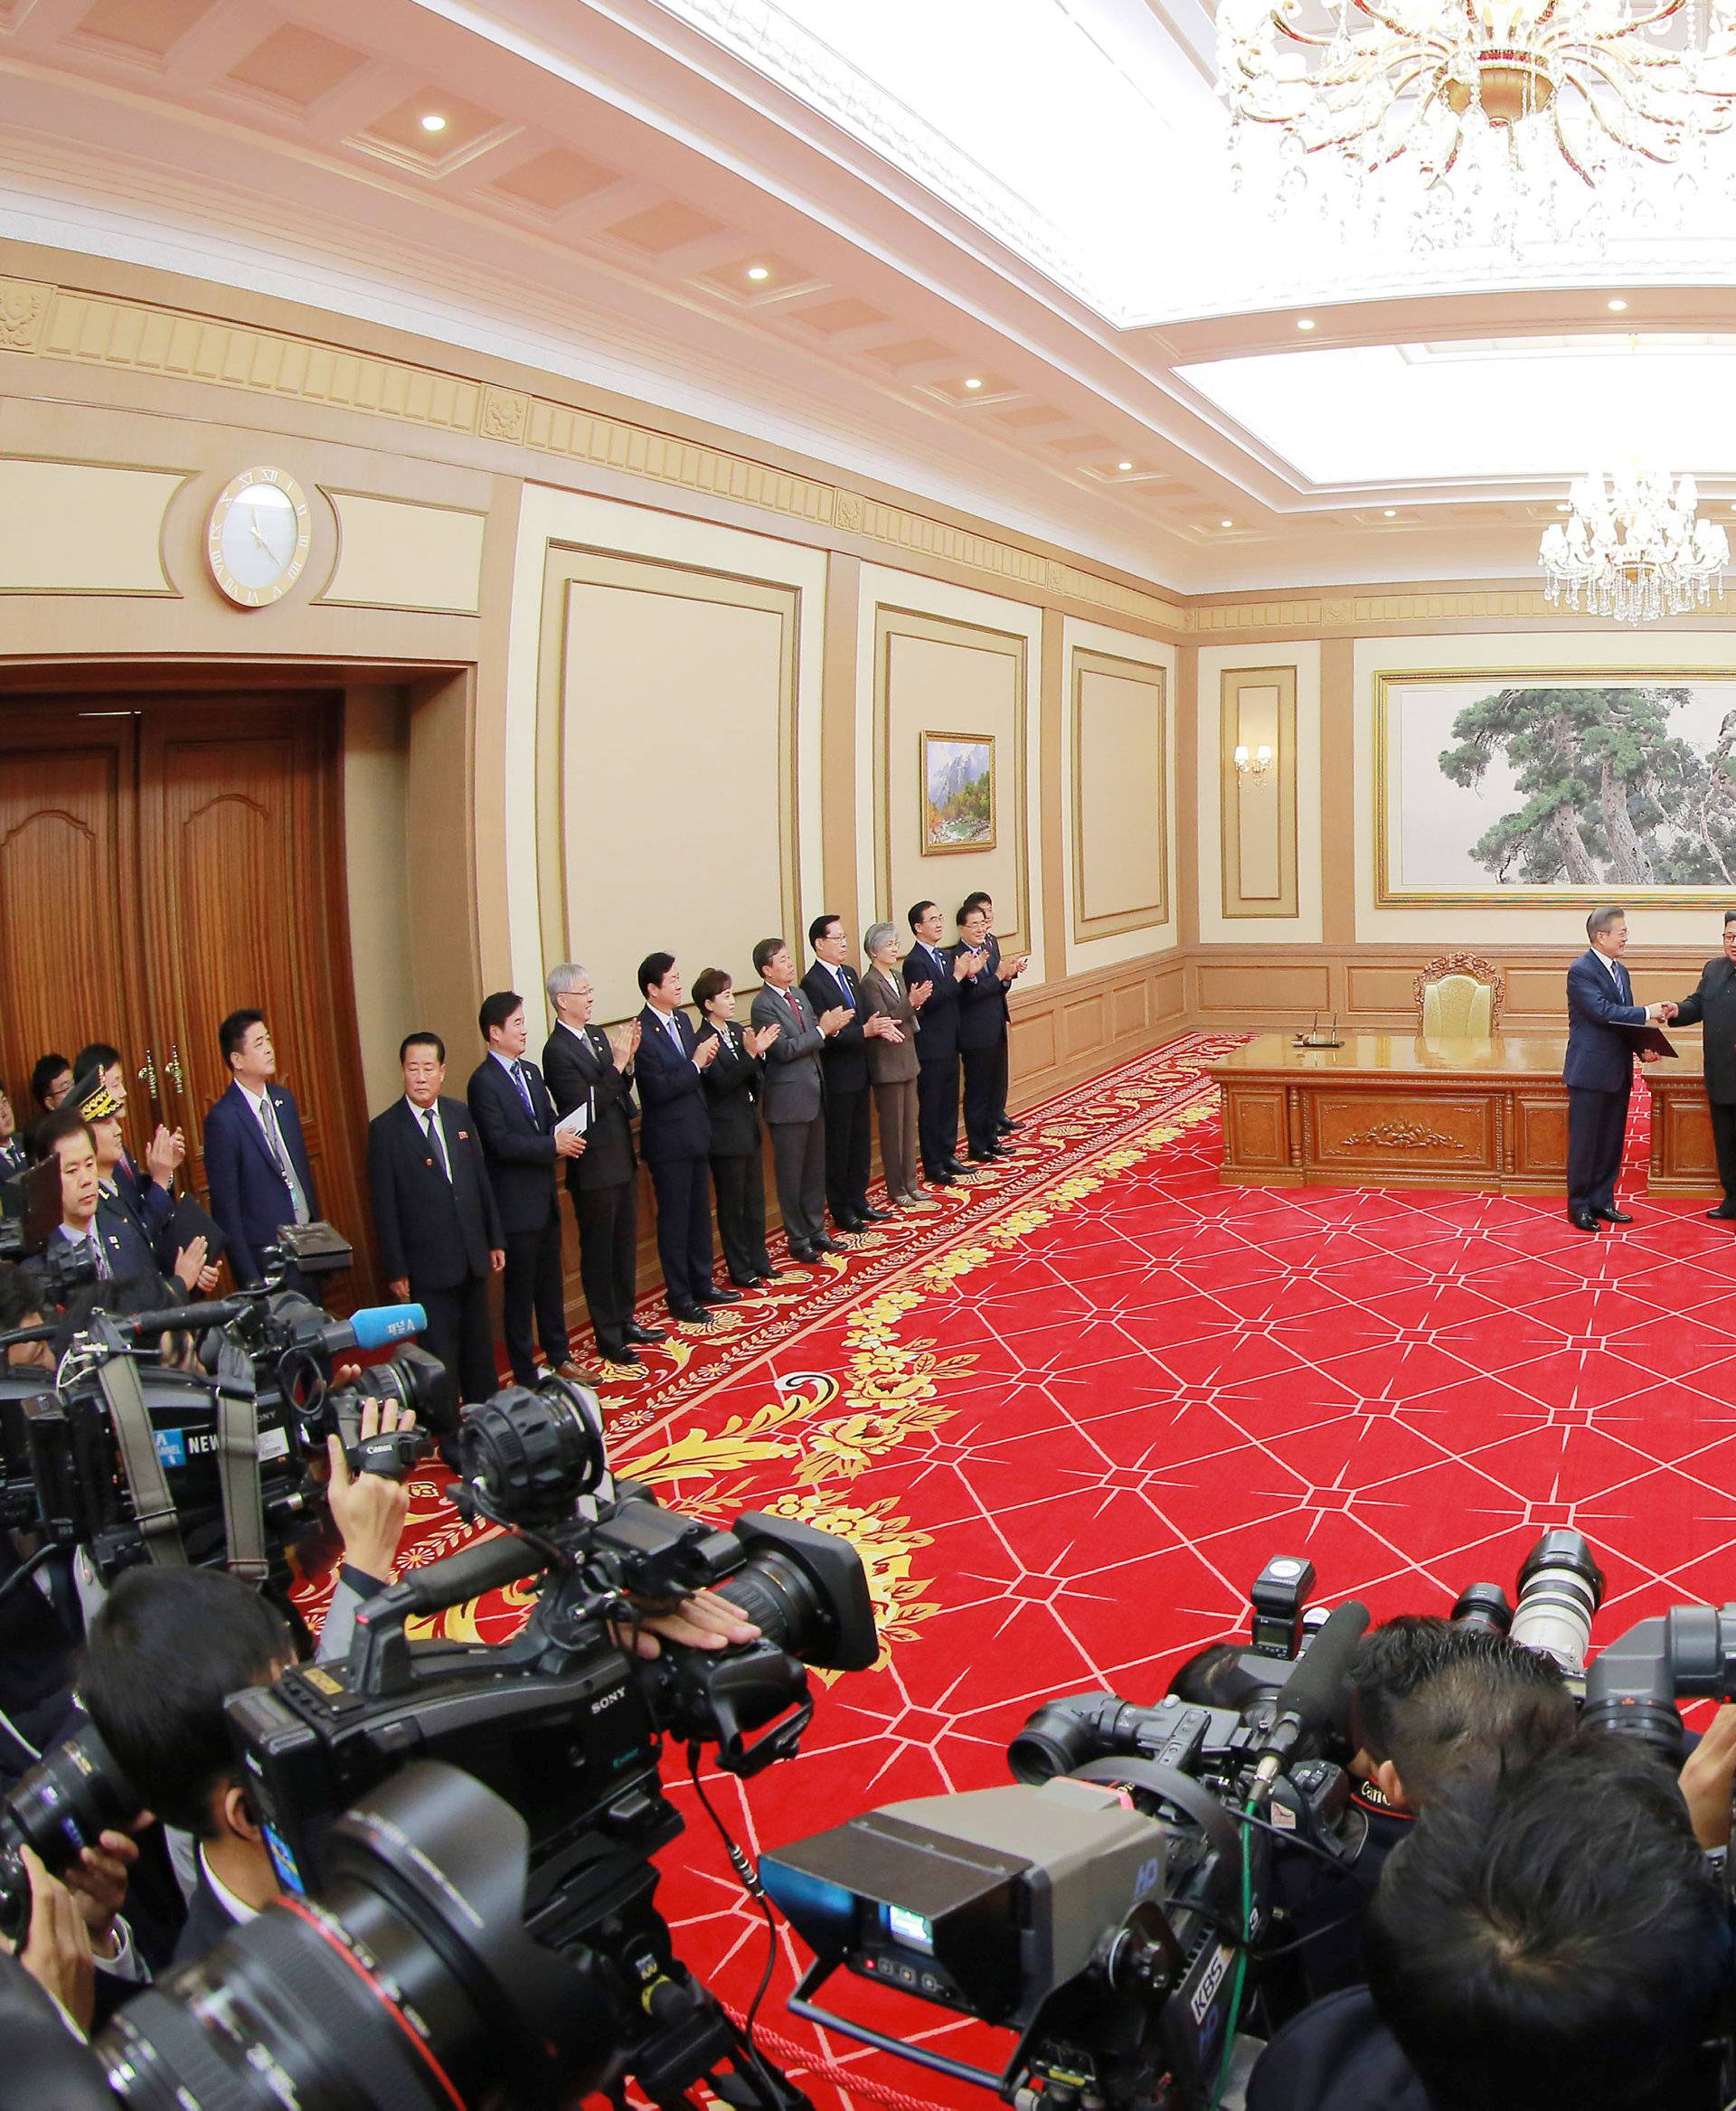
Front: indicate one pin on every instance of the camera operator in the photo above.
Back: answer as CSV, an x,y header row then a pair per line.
x,y
157,1702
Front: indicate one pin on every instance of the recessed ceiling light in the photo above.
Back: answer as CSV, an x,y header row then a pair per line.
x,y
1390,513
1617,307
1124,464
433,122
972,382
757,272
1304,322
1226,524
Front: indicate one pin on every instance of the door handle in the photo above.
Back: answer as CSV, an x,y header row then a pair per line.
x,y
172,1068
148,1072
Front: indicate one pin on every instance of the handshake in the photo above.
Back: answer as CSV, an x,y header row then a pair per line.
x,y
1661,1015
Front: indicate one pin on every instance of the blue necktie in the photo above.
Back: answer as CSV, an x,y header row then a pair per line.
x,y
525,1094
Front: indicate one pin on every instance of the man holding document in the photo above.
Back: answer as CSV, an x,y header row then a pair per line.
x,y
589,1076
1605,1029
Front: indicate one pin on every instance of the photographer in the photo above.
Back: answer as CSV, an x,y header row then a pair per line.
x,y
158,1704
1551,1941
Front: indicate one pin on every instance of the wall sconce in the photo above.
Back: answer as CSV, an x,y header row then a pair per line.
x,y
1254,764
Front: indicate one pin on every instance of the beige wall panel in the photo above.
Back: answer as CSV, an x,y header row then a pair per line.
x,y
1168,993
376,786
1258,989
1378,989
695,688
1540,992
1121,818
82,528
951,681
1283,808
391,554
1258,811
1083,1025
1127,1008
1031,1045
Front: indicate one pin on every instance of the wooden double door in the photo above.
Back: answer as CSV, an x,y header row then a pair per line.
x,y
166,860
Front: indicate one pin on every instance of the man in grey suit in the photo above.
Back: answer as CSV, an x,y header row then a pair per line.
x,y
792,1098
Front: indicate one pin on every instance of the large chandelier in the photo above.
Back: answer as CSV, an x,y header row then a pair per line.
x,y
1634,547
1482,119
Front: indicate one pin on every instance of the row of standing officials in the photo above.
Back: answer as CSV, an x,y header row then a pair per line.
x,y
464,1189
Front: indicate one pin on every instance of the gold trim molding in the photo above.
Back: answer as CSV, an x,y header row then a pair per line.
x,y
1139,916
1232,786
89,329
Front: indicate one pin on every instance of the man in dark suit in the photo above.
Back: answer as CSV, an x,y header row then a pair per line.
x,y
255,1161
929,966
1008,969
830,985
521,1141
117,1246
147,1191
792,1099
982,1036
12,1152
435,1217
675,1136
587,1068
1598,1071
1713,1007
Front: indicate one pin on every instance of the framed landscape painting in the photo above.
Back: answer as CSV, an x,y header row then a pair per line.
x,y
1526,787
958,793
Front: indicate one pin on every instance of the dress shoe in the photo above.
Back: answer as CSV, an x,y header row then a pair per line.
x,y
824,1245
645,1337
712,1294
803,1253
1584,1220
983,1157
744,1282
942,1179
1006,1128
571,1372
957,1165
768,1274
692,1315
619,1353
1613,1216
871,1216
848,1224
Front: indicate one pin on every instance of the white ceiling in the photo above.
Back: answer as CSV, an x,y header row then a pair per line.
x,y
987,190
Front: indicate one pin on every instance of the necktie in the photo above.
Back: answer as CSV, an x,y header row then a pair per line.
x,y
674,1024
794,1006
438,1140
525,1092
274,1138
103,1270
849,1000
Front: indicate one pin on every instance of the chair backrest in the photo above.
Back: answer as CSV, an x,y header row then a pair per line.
x,y
1458,998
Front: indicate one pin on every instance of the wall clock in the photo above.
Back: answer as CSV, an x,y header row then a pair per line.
x,y
257,536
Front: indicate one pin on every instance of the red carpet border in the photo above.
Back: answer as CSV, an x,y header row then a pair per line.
x,y
1067,1416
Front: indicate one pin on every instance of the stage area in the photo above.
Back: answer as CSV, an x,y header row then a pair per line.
x,y
1402,1110
1068,1418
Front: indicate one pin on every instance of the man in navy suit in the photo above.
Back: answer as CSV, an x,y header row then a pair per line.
x,y
521,1141
932,976
675,1141
981,1035
434,1211
1599,1072
256,1161
117,1246
147,1191
1008,970
829,985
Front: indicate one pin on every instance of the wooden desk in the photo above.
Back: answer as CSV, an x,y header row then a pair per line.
x,y
1394,1110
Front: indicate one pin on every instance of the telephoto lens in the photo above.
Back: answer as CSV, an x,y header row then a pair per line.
x,y
1484,1606
806,1590
409,1981
529,1457
60,1808
1561,1587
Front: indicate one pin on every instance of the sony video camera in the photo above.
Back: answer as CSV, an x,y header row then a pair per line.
x,y
565,1722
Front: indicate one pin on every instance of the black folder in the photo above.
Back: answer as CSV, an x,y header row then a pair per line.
x,y
1646,1041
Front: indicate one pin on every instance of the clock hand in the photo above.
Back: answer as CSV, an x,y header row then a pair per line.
x,y
259,538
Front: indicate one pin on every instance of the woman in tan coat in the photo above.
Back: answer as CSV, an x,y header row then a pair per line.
x,y
892,1064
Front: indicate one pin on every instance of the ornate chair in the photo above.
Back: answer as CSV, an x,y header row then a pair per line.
x,y
1458,998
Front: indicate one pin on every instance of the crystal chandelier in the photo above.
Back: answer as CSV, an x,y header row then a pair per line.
x,y
1480,120
1634,547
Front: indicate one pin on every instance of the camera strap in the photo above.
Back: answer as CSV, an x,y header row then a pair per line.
x,y
238,1465
147,1481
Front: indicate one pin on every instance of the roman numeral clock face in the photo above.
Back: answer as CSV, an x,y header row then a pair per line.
x,y
257,537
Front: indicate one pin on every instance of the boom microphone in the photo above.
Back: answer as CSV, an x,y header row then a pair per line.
x,y
1308,1700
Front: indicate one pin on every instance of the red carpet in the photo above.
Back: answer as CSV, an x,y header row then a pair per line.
x,y
1067,1419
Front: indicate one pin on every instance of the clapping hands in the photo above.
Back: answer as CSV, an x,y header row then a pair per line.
x,y
885,1028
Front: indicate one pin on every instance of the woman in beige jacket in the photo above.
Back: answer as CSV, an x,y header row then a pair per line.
x,y
892,1064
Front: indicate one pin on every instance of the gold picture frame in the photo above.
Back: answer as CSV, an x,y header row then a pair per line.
x,y
964,818
1608,878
